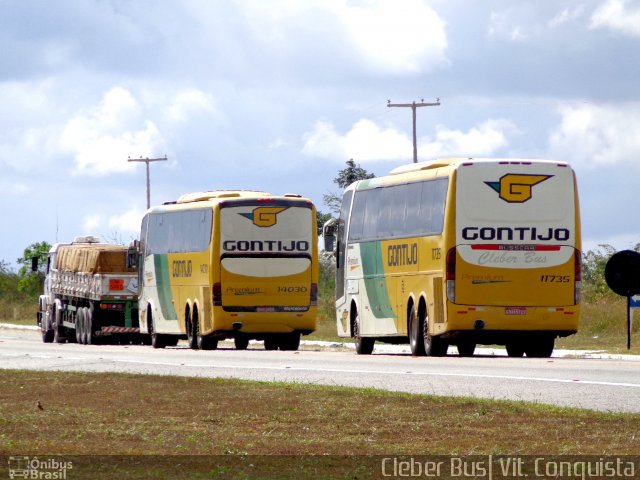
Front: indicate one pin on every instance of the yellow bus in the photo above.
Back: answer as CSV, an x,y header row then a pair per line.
x,y
460,251
229,264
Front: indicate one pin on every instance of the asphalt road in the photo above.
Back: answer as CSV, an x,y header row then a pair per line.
x,y
604,384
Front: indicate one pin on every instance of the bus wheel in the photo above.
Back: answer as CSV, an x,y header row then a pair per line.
x,y
466,348
364,345
434,346
271,343
541,347
192,332
241,342
290,341
207,343
157,340
515,348
415,337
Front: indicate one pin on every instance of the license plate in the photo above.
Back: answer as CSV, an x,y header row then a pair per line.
x,y
515,311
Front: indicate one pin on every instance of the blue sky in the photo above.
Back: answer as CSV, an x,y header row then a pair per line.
x,y
276,95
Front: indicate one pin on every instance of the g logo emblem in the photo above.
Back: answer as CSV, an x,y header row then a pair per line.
x,y
517,187
264,216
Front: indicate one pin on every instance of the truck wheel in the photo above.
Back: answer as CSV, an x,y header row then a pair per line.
x,y
89,327
47,333
79,325
364,345
58,329
415,330
290,341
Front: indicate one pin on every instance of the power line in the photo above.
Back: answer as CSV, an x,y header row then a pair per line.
x,y
147,161
413,105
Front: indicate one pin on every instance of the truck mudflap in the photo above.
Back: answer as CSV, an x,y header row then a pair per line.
x,y
105,330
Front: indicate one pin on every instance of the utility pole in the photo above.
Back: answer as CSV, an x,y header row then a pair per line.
x,y
147,161
413,106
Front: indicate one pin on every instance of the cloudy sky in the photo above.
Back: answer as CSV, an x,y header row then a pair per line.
x,y
276,95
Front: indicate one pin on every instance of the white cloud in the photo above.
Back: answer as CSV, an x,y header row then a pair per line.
x,y
127,222
387,36
565,16
598,135
504,25
397,36
113,227
485,139
92,223
188,103
366,141
615,15
103,138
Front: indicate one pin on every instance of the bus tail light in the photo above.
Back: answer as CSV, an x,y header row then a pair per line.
x,y
217,294
451,274
578,275
314,294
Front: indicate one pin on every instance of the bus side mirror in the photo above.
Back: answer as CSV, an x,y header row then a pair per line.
x,y
132,254
34,264
329,234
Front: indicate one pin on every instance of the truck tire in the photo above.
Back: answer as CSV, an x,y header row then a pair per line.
x,y
89,324
79,325
47,332
58,329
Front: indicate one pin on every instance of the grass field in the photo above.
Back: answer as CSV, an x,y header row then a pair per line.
x,y
60,413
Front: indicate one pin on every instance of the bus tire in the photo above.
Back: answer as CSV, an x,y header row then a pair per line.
x,y
434,346
290,341
515,349
415,338
271,343
207,343
541,347
191,326
157,340
466,348
241,342
364,345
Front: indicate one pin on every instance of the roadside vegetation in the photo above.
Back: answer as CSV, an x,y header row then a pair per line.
x,y
121,414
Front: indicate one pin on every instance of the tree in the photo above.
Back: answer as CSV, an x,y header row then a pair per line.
x,y
346,177
322,218
31,282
